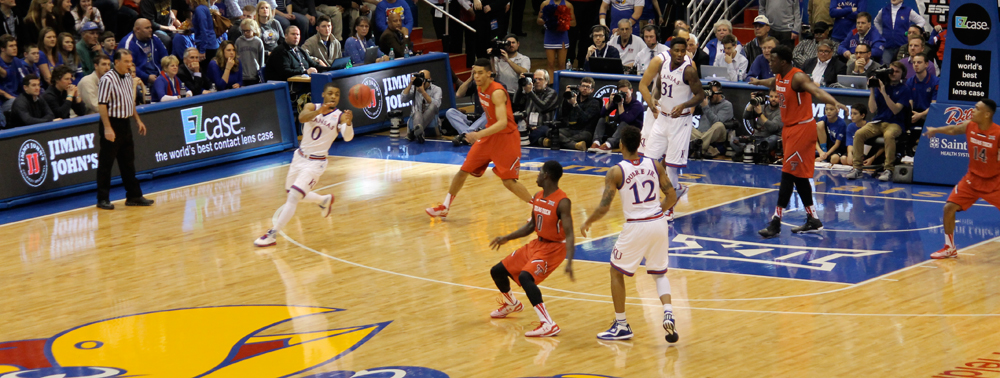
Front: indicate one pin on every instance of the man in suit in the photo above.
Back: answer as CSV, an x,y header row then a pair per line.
x,y
824,68
288,59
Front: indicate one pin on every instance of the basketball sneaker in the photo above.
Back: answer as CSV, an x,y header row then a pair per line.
x,y
594,147
885,176
437,211
267,240
544,329
326,205
945,252
618,331
811,225
855,174
772,229
506,309
604,148
683,191
670,327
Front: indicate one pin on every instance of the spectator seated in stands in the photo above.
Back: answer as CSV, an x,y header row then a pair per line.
x,y
390,7
859,114
889,101
824,68
831,131
225,70
862,65
162,18
67,49
10,71
88,85
89,47
29,108
31,57
714,47
807,48
356,45
628,111
271,31
338,12
510,64
251,50
62,96
621,11
766,122
761,30
459,120
845,13
396,38
917,46
426,99
698,58
650,48
108,44
191,75
600,48
923,89
85,12
140,41
168,86
628,44
323,46
862,34
288,59
715,112
183,40
540,105
735,63
761,67
581,111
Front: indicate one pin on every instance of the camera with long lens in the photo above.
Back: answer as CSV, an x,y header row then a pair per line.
x,y
518,117
524,80
418,78
617,98
758,98
498,46
880,74
571,92
553,133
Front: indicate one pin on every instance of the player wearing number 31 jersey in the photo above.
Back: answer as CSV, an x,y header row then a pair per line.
x,y
641,181
322,123
983,178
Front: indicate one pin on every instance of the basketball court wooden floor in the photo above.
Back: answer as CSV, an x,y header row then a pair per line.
x,y
380,290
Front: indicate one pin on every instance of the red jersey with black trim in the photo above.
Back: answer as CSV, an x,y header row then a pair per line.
x,y
796,107
486,100
984,153
548,226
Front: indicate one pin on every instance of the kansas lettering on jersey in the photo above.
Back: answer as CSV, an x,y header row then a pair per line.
x,y
673,89
796,107
984,155
485,99
640,189
319,134
545,212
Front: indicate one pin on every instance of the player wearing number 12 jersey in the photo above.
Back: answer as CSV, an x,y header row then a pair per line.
x,y
640,180
551,218
321,125
983,178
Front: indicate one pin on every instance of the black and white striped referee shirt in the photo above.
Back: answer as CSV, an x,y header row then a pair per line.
x,y
117,91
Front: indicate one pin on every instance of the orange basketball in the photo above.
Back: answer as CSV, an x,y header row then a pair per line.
x,y
360,96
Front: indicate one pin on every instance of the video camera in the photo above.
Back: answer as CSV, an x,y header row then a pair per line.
x,y
756,151
572,91
418,78
499,46
880,74
758,98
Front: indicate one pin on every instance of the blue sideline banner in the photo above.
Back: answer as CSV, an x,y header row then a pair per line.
x,y
943,159
386,82
58,158
971,67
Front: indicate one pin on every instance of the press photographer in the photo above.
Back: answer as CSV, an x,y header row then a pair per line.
x,y
580,110
889,100
716,113
508,64
628,111
426,103
540,103
764,115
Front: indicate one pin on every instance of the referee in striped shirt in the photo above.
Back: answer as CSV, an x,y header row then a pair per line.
x,y
116,104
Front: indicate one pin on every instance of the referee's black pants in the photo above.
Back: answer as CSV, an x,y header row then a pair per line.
x,y
123,150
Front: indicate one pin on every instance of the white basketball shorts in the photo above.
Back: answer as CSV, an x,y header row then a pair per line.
x,y
668,139
649,239
304,173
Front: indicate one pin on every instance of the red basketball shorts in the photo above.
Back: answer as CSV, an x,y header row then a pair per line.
x,y
502,149
539,258
799,146
971,188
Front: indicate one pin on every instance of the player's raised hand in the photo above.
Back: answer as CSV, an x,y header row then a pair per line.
x,y
347,117
497,242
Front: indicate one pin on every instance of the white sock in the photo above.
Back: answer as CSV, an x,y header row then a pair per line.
x,y
543,314
672,173
620,317
949,240
668,308
288,210
447,200
510,298
312,197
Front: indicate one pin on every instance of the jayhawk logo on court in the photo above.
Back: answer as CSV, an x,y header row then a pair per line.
x,y
210,342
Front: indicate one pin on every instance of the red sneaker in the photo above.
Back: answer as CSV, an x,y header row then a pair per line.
x,y
945,252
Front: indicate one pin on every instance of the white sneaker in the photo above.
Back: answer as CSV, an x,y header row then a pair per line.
x,y
885,176
544,329
855,174
267,240
683,191
326,205
506,309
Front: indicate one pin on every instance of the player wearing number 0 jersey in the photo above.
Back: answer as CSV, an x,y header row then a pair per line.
x,y
551,218
983,178
499,142
798,137
640,180
679,90
321,125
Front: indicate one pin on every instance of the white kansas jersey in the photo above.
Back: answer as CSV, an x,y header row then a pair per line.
x,y
640,189
319,134
673,90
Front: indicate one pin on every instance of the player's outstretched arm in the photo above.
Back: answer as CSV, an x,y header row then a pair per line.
x,y
611,183
499,99
647,79
947,130
525,230
667,187
566,217
346,126
764,83
802,83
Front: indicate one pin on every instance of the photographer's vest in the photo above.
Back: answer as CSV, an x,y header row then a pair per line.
x,y
796,107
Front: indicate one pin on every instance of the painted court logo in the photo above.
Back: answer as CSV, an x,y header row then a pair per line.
x,y
33,163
